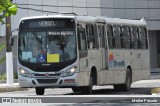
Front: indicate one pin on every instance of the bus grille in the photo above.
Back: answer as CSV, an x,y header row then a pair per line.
x,y
44,75
46,69
47,81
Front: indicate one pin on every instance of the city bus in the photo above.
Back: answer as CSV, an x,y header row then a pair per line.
x,y
80,52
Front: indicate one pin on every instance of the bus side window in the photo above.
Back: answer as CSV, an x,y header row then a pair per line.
x,y
96,37
143,38
126,37
101,34
90,36
110,37
135,38
82,38
118,37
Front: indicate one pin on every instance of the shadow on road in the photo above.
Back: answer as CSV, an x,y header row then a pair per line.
x,y
133,91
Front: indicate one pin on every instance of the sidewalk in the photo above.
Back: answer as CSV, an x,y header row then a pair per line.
x,y
10,88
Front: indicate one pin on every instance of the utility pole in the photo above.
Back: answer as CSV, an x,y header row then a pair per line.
x,y
9,56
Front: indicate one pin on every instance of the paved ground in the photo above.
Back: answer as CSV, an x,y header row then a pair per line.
x,y
139,89
143,87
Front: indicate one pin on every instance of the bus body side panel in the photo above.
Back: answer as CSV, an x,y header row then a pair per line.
x,y
98,55
91,58
145,60
119,72
136,65
83,78
127,59
108,73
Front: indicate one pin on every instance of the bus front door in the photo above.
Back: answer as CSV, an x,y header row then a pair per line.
x,y
102,52
102,45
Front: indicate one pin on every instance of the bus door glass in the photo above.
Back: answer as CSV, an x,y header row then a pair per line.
x,y
82,47
135,53
103,50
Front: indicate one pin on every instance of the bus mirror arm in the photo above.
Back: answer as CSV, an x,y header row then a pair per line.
x,y
12,37
12,40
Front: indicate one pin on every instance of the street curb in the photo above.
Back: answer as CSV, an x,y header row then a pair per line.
x,y
11,89
155,91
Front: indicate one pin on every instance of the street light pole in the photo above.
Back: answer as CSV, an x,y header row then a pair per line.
x,y
9,56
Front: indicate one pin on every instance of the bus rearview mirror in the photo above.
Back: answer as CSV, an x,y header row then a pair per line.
x,y
12,41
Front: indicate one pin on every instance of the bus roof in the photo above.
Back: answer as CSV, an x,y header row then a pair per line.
x,y
94,19
47,16
113,21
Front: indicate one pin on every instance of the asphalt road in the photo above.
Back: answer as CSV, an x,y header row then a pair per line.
x,y
102,90
138,88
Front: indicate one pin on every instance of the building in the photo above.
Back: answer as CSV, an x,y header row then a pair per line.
x,y
130,9
137,9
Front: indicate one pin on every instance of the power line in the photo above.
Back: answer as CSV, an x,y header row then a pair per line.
x,y
87,7
59,13
37,10
106,3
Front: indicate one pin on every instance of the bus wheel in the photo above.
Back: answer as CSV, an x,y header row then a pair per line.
x,y
127,85
40,91
88,89
76,89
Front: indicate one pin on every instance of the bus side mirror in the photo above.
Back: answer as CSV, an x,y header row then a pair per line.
x,y
12,37
12,41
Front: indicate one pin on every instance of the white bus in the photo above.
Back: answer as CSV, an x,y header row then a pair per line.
x,y
79,52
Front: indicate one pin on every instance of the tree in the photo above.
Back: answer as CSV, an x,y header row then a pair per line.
x,y
7,8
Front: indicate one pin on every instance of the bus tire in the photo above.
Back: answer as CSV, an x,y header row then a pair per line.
x,y
76,89
88,89
40,91
127,85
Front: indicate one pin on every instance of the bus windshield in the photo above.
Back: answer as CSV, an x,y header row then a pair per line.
x,y
50,42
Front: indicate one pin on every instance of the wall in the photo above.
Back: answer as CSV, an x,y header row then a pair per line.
x,y
134,9
137,9
153,48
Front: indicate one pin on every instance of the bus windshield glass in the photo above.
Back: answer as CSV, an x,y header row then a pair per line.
x,y
47,41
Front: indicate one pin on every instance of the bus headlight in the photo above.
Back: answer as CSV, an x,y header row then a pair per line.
x,y
69,72
24,73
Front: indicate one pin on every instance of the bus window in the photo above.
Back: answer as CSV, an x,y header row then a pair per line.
x,y
101,35
82,38
126,37
135,38
110,37
96,37
143,38
118,37
90,36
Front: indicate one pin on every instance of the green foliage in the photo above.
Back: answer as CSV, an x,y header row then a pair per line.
x,y
7,8
3,59
15,75
2,46
3,76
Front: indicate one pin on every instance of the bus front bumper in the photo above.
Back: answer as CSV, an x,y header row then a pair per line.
x,y
49,82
